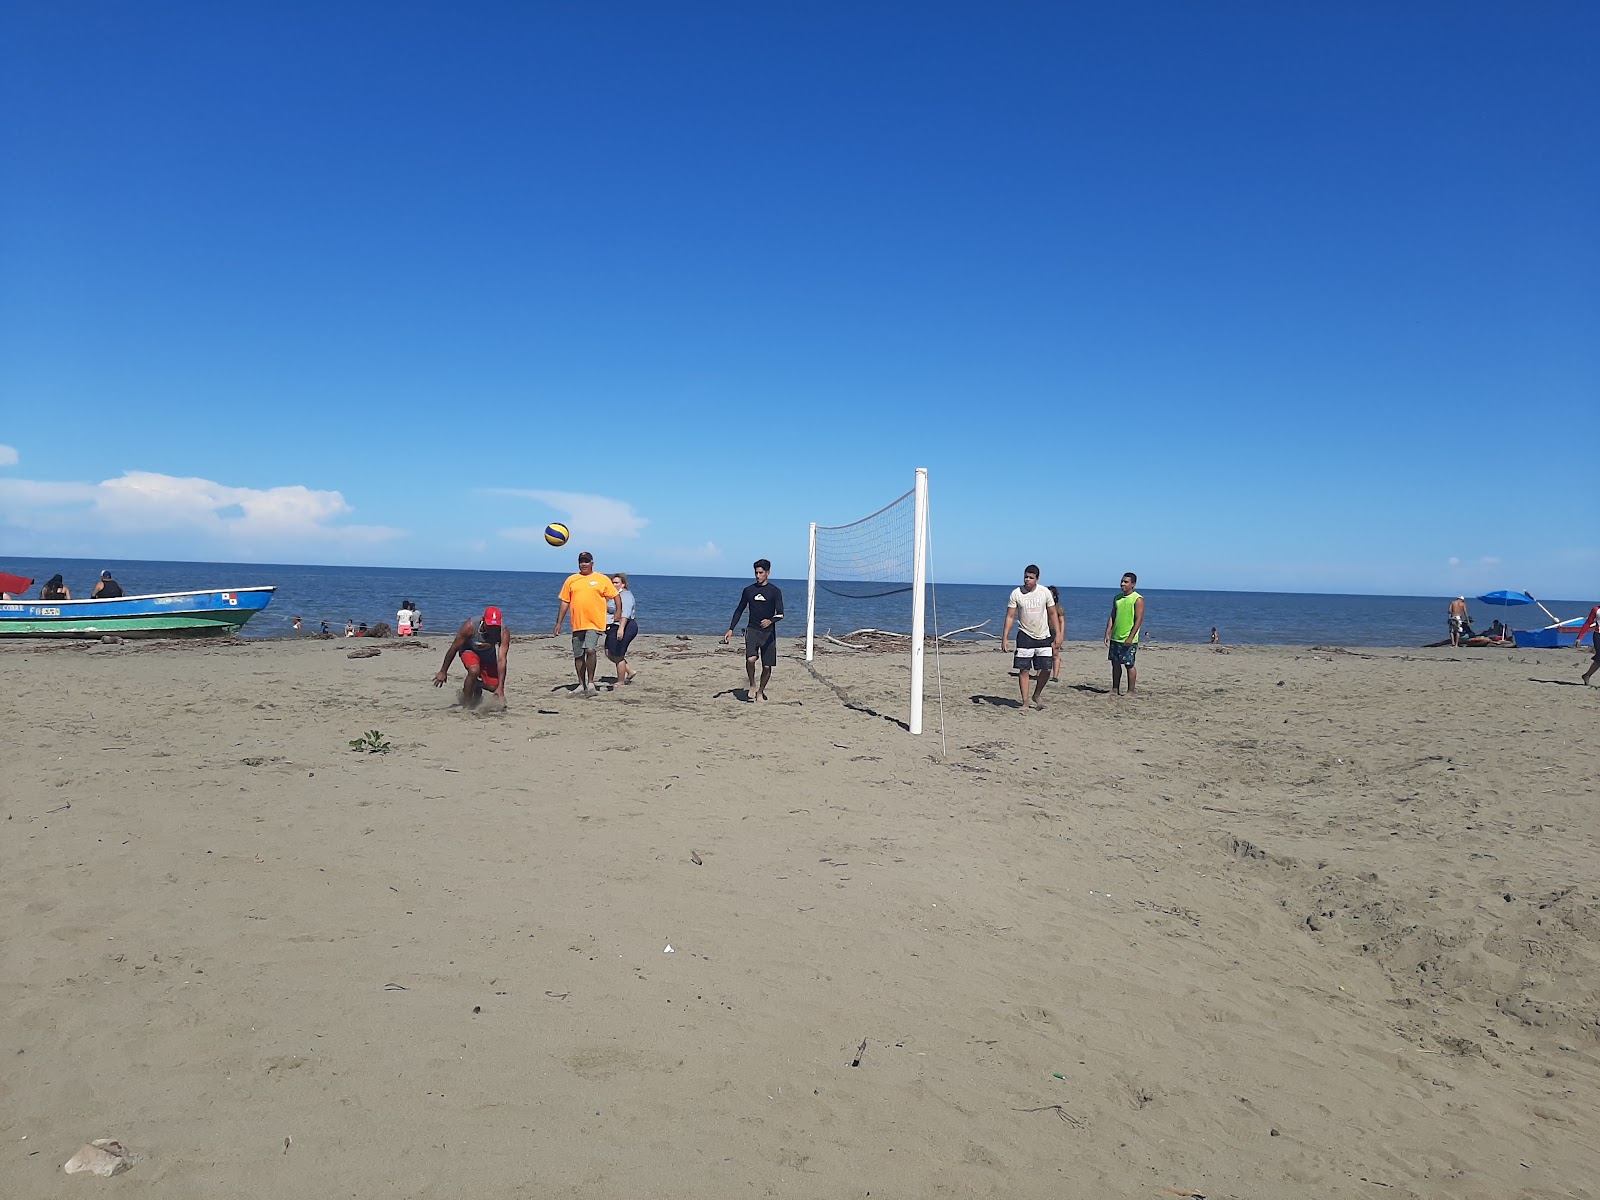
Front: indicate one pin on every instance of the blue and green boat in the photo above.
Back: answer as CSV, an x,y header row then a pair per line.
x,y
166,614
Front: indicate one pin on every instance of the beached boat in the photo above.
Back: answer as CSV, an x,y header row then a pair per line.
x,y
166,614
1551,637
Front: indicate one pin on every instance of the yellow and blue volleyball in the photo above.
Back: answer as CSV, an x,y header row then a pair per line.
x,y
556,533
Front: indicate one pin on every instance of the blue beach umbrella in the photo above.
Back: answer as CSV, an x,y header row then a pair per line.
x,y
1511,599
1507,598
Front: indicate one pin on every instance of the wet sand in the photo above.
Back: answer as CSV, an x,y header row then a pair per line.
x,y
1289,923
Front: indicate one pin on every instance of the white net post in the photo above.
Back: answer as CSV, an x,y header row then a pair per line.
x,y
811,593
919,593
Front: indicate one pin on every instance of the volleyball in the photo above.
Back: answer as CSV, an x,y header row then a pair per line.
x,y
556,534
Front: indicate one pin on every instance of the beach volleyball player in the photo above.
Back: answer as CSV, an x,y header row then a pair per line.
x,y
1037,616
764,601
483,648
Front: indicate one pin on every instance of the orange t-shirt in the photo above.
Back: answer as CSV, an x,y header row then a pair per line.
x,y
588,595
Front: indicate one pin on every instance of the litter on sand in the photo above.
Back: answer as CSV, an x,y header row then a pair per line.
x,y
103,1156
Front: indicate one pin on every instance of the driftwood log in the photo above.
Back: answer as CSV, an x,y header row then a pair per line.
x,y
888,639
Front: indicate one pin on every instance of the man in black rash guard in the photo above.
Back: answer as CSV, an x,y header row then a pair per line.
x,y
765,602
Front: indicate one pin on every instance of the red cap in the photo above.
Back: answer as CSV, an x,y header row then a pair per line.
x,y
491,616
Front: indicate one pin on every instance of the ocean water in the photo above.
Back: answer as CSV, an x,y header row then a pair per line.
x,y
698,605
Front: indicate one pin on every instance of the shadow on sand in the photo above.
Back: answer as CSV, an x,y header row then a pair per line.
x,y
997,701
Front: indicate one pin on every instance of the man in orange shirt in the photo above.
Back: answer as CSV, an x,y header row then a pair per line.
x,y
584,595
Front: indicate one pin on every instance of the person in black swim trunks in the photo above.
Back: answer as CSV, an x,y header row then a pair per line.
x,y
765,602
483,647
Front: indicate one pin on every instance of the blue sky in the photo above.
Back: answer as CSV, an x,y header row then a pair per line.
x,y
1236,295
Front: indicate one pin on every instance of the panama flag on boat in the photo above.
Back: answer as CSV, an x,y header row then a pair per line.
x,y
231,597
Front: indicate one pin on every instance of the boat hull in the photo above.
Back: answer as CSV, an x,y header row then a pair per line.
x,y
170,614
1549,639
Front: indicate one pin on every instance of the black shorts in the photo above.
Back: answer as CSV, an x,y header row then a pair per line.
x,y
762,643
1034,654
618,640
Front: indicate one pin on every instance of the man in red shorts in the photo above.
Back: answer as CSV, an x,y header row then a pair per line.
x,y
483,647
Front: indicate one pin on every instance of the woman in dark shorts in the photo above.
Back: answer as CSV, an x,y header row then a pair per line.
x,y
621,629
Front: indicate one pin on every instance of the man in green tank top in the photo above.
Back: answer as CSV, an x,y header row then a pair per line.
x,y
1122,633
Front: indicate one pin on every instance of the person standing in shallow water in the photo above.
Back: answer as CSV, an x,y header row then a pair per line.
x,y
1122,633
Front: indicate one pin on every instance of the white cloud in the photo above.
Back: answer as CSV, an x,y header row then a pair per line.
x,y
8,455
590,518
145,502
1455,561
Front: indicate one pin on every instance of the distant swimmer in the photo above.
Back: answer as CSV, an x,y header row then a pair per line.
x,y
1037,616
1592,624
584,595
764,601
1122,633
1460,623
484,648
107,588
297,622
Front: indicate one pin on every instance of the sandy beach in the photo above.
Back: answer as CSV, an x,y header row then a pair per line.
x,y
1290,923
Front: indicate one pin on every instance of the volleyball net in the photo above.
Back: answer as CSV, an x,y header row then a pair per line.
x,y
877,564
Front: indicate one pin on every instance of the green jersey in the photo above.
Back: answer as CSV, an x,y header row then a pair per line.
x,y
1122,624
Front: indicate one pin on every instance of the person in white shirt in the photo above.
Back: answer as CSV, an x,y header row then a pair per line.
x,y
403,620
1036,614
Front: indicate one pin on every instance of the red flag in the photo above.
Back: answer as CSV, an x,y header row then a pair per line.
x,y
14,585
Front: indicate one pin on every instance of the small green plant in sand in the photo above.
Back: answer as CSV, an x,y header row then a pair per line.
x,y
371,742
